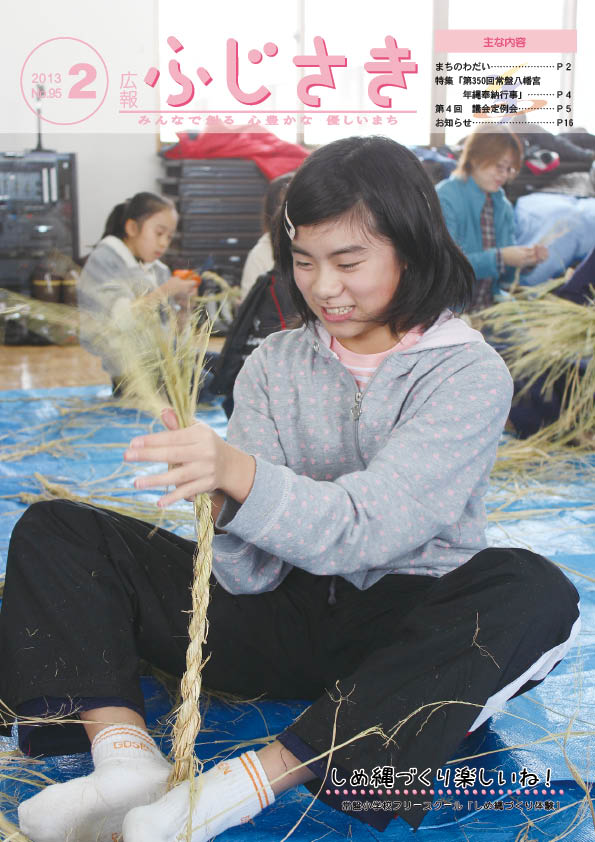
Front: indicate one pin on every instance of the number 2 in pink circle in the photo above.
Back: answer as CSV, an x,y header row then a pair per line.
x,y
77,92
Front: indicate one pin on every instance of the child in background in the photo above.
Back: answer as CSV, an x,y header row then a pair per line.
x,y
125,265
260,258
351,565
478,215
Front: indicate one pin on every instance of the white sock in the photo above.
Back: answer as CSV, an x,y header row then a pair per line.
x,y
129,771
231,793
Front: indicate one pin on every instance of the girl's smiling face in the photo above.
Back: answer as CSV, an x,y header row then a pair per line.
x,y
347,275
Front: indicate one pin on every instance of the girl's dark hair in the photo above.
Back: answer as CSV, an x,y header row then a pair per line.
x,y
383,187
273,200
139,208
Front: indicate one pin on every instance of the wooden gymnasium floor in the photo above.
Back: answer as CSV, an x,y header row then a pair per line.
x,y
45,367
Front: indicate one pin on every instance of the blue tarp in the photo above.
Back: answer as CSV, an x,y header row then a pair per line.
x,y
529,734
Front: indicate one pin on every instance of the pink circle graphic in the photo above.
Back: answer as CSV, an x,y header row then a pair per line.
x,y
79,41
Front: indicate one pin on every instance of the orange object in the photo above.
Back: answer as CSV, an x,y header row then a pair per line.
x,y
189,275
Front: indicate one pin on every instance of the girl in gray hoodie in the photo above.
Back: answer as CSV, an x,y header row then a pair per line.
x,y
350,565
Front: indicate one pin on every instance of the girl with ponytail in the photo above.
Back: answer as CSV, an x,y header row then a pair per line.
x,y
126,265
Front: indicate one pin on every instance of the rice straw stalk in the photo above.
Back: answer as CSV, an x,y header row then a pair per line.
x,y
163,361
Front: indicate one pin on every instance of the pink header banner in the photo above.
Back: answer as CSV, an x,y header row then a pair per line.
x,y
505,40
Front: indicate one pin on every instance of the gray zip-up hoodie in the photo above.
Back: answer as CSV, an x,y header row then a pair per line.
x,y
361,484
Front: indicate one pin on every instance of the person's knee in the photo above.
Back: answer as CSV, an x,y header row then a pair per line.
x,y
542,574
42,531
34,519
41,520
541,584
43,512
530,580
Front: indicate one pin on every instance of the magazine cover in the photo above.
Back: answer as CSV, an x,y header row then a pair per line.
x,y
297,421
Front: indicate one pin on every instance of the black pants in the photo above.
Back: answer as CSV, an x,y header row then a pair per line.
x,y
88,593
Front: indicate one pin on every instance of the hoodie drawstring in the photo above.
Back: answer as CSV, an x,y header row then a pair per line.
x,y
332,596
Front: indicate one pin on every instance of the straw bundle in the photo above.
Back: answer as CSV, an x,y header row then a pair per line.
x,y
162,363
551,340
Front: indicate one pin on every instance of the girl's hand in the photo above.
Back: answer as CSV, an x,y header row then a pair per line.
x,y
541,253
170,420
519,256
199,461
179,287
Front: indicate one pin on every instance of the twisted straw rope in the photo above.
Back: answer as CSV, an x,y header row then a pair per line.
x,y
188,719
